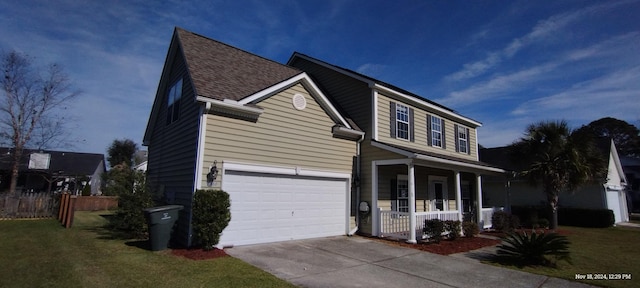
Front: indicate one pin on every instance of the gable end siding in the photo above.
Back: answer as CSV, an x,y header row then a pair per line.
x,y
172,149
352,96
282,136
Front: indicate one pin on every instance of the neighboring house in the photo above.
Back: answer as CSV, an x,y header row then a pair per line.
x,y
261,131
631,168
57,171
418,160
609,195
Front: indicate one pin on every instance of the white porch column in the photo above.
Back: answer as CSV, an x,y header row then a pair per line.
x,y
479,185
412,204
458,194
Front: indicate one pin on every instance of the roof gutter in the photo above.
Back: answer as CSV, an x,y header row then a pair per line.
x,y
344,132
230,107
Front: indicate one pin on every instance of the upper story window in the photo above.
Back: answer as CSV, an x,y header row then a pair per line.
x,y
402,122
462,139
437,126
173,102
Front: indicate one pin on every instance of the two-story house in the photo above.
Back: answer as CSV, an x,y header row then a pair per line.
x,y
262,131
419,160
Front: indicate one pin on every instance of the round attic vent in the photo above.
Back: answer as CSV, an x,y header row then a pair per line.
x,y
299,102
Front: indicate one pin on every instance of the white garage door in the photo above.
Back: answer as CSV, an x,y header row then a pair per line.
x,y
270,207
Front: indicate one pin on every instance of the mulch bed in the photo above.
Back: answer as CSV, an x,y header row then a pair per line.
x,y
446,247
199,254
527,230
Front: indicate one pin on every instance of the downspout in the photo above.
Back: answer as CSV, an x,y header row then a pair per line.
x,y
354,230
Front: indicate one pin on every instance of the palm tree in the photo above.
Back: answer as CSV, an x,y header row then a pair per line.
x,y
558,159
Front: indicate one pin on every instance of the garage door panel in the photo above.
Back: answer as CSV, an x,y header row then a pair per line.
x,y
269,208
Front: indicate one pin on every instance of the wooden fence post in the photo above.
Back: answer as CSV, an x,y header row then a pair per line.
x,y
70,211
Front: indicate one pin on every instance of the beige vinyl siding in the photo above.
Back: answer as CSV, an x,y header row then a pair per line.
x,y
172,148
353,97
282,136
420,131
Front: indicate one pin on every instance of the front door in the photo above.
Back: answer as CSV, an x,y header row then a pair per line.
x,y
438,193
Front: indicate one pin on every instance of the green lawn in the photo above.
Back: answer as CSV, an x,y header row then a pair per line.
x,y
40,253
606,251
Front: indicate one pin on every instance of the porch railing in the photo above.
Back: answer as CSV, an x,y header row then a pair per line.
x,y
396,224
487,213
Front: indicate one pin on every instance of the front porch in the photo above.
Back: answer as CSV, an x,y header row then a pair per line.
x,y
406,192
396,224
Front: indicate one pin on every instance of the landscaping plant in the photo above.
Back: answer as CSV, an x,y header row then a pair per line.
x,y
129,218
433,228
210,216
452,228
534,248
470,229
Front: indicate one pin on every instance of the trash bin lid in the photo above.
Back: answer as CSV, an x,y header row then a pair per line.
x,y
163,208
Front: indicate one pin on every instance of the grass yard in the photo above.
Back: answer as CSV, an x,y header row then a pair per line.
x,y
41,253
606,251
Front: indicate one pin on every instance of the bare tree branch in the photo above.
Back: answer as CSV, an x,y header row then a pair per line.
x,y
32,97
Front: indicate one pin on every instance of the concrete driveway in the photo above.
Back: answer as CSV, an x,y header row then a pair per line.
x,y
361,262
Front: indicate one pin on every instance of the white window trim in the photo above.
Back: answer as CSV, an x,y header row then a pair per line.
x,y
398,198
433,131
398,121
463,148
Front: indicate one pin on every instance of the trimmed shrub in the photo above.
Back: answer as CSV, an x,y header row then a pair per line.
x,y
86,190
129,218
433,228
211,215
594,218
470,229
503,221
452,228
534,249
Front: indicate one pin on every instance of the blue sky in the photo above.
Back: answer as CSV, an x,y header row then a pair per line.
x,y
504,63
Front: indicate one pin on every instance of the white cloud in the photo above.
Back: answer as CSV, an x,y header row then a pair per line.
x,y
613,95
371,69
542,32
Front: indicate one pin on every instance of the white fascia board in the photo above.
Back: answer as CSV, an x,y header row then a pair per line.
x,y
231,106
379,87
616,160
374,107
346,132
308,83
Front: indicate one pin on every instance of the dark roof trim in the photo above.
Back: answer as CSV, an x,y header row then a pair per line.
x,y
386,87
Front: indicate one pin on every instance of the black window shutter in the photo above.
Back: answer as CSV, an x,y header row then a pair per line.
x,y
444,135
411,136
455,137
429,130
392,119
468,142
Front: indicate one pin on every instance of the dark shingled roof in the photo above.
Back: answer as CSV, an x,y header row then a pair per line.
x,y
70,163
382,83
220,71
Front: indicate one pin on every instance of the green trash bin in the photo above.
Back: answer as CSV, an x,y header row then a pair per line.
x,y
160,221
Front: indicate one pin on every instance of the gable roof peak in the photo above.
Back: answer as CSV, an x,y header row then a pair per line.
x,y
221,71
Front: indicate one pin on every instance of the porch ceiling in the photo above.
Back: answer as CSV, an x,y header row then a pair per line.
x,y
430,159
